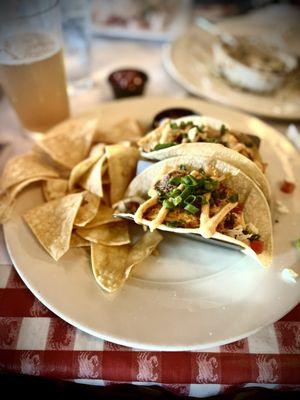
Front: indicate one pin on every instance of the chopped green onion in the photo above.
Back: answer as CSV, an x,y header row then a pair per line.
x,y
203,200
175,180
189,180
177,200
234,198
182,167
173,125
186,180
168,204
161,146
185,193
174,224
208,185
201,128
297,244
191,209
175,193
223,129
190,199
182,124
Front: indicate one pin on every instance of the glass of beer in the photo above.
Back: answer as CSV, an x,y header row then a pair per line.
x,y
32,70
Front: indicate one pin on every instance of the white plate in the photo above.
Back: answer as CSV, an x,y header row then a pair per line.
x,y
189,61
192,295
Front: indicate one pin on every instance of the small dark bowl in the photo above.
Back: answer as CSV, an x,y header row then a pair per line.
x,y
171,113
127,82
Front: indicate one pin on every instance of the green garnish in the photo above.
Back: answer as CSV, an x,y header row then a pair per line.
x,y
175,180
223,129
173,125
191,209
182,167
234,198
177,200
161,146
297,244
168,204
175,193
190,199
174,224
186,192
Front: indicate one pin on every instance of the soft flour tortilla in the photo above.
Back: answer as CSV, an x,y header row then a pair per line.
x,y
218,151
214,150
256,208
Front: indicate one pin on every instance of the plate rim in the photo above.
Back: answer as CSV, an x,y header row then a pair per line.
x,y
191,88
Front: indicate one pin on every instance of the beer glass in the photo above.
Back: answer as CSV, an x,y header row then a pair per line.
x,y
31,62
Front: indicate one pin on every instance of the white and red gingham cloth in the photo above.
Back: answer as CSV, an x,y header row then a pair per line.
x,y
34,341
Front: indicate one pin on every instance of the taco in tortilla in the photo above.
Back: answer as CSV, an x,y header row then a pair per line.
x,y
199,129
192,194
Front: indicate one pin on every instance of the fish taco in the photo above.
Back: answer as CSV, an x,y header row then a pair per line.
x,y
209,197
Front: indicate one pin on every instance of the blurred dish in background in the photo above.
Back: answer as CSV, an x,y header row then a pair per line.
x,y
201,74
148,19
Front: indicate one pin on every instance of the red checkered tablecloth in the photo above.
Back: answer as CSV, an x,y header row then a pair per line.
x,y
34,341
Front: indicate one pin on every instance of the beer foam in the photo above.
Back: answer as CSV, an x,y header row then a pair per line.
x,y
28,47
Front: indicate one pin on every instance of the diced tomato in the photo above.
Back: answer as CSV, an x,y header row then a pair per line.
x,y
239,208
287,187
257,246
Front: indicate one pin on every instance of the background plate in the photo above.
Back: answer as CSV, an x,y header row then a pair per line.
x,y
191,296
189,61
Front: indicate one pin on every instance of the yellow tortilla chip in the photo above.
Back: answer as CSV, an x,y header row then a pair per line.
x,y
122,162
54,188
52,223
92,179
80,169
78,241
69,142
6,207
103,216
27,166
97,150
112,265
126,129
112,234
88,209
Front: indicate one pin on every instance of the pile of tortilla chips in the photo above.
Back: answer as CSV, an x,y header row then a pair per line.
x,y
81,178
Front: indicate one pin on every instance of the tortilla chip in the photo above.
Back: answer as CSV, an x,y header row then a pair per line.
x,y
77,241
88,209
52,223
69,142
80,169
6,207
112,234
106,195
103,216
92,179
112,265
97,150
21,168
126,129
54,188
122,162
